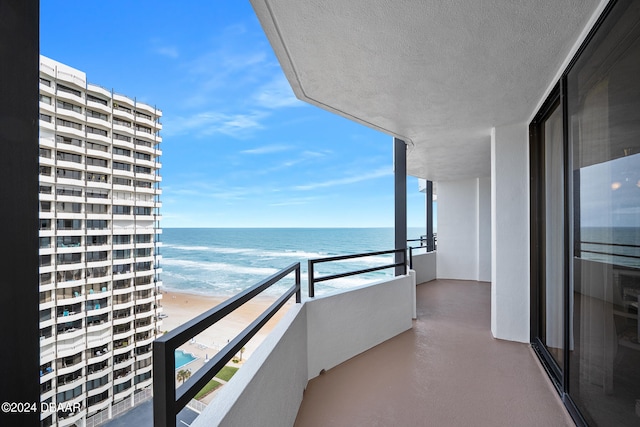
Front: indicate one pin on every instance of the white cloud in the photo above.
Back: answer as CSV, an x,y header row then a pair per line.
x,y
385,171
211,122
277,94
267,149
168,51
295,201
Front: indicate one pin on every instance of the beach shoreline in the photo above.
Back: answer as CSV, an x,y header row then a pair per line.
x,y
180,307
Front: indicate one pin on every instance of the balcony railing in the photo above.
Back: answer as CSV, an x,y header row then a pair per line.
x,y
167,400
312,262
428,243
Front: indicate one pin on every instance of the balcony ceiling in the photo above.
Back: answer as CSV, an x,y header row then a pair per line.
x,y
438,74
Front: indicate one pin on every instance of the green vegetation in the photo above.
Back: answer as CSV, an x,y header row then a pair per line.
x,y
211,386
225,374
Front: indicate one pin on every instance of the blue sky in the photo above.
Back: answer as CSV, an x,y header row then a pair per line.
x,y
239,150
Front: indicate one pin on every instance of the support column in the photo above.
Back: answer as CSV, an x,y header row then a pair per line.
x,y
429,215
19,305
400,192
510,295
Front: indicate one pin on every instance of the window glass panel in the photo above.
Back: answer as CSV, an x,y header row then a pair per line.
x,y
604,114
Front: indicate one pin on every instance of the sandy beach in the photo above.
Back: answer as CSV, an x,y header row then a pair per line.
x,y
182,307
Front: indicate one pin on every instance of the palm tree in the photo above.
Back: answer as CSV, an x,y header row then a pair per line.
x,y
184,374
241,352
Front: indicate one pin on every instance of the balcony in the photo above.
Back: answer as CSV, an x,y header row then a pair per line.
x,y
446,370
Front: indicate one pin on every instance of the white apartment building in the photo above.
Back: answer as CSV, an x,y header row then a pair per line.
x,y
99,247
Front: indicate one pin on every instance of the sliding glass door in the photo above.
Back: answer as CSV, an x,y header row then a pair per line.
x,y
585,231
603,106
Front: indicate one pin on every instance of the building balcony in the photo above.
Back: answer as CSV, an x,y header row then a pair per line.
x,y
98,169
75,417
123,130
98,107
44,341
123,305
123,394
69,131
71,97
98,390
123,319
47,353
445,369
144,384
99,327
123,377
122,291
145,286
99,356
123,335
100,338
95,137
46,161
70,347
98,153
63,113
146,122
98,406
121,364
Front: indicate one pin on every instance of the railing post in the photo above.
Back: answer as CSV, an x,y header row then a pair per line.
x,y
164,387
400,199
410,257
310,278
405,262
298,288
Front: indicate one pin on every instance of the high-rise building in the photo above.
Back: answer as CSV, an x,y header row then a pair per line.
x,y
99,247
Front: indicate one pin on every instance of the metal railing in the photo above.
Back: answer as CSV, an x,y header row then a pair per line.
x,y
313,280
169,401
610,252
426,242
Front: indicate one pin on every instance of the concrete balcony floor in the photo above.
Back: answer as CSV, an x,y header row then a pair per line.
x,y
447,371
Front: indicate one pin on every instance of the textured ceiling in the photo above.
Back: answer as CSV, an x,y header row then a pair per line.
x,y
439,74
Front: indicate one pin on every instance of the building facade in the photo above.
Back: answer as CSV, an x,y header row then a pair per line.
x,y
99,199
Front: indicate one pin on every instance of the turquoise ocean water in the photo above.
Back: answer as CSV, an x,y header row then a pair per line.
x,y
225,261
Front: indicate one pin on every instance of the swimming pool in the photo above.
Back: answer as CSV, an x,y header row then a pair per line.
x,y
183,358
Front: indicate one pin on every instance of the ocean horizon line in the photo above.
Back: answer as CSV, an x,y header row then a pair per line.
x,y
288,228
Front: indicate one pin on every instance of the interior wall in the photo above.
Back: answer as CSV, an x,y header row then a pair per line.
x,y
510,298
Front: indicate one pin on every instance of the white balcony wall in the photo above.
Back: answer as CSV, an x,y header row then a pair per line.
x,y
425,266
302,344
464,229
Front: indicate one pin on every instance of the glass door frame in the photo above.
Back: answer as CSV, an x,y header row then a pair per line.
x,y
538,230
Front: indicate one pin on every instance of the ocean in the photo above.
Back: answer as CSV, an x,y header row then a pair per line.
x,y
225,261
611,245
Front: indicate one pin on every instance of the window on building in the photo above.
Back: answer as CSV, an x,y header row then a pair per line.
x,y
97,131
121,181
121,152
67,89
93,98
121,210
92,161
68,106
69,124
97,115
